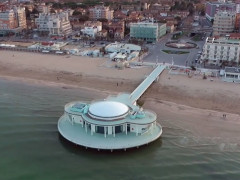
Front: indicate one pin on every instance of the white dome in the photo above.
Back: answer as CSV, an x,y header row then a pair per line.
x,y
108,109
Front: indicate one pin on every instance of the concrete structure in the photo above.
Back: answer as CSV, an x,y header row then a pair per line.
x,y
224,23
147,31
217,51
121,47
114,123
13,20
232,74
54,24
100,12
213,7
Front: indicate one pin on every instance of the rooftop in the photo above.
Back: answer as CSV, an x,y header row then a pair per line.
x,y
232,69
107,109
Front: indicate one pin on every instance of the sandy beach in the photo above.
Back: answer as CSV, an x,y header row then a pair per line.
x,y
192,104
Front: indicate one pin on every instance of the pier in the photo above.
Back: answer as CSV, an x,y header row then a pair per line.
x,y
137,93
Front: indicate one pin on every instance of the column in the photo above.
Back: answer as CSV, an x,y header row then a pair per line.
x,y
151,128
136,130
126,128
113,131
105,131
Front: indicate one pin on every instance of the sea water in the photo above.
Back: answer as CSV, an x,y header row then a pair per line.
x,y
31,147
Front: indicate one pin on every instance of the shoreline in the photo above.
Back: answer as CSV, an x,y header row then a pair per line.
x,y
190,104
194,92
190,122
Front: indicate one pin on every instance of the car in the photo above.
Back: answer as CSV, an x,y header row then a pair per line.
x,y
45,51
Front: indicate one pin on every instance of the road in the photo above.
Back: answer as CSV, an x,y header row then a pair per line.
x,y
156,53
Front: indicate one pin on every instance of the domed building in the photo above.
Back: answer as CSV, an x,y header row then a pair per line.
x,y
114,123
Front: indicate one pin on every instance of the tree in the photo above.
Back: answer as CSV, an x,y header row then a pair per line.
x,y
27,12
202,12
103,20
53,11
83,18
35,11
76,13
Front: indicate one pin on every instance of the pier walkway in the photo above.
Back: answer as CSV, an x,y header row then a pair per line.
x,y
146,83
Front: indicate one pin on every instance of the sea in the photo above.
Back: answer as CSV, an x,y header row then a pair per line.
x,y
32,149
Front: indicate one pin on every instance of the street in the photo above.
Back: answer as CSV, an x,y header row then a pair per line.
x,y
156,53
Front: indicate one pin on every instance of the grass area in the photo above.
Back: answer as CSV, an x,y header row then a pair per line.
x,y
197,38
175,52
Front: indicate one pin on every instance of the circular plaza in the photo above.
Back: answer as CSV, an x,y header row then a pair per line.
x,y
181,45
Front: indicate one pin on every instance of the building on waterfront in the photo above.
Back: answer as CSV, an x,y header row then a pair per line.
x,y
213,7
232,74
114,123
54,24
12,20
224,23
122,48
147,31
218,51
100,12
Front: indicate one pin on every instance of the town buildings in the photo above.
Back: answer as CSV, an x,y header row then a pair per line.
x,y
12,20
100,12
224,22
213,7
221,50
147,31
54,24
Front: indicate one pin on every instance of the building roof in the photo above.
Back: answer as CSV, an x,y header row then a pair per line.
x,y
108,109
232,70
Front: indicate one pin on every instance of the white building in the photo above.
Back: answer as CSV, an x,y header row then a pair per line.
x,y
121,47
92,28
116,122
216,51
54,24
232,74
224,22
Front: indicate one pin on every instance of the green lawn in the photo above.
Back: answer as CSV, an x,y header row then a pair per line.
x,y
175,52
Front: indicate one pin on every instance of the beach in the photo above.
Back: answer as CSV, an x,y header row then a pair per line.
x,y
192,104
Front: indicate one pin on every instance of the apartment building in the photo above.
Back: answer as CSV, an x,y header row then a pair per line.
x,y
12,20
213,7
224,23
54,24
21,17
219,50
101,12
8,20
43,8
147,31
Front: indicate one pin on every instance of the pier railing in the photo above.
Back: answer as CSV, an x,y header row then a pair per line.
x,y
146,83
